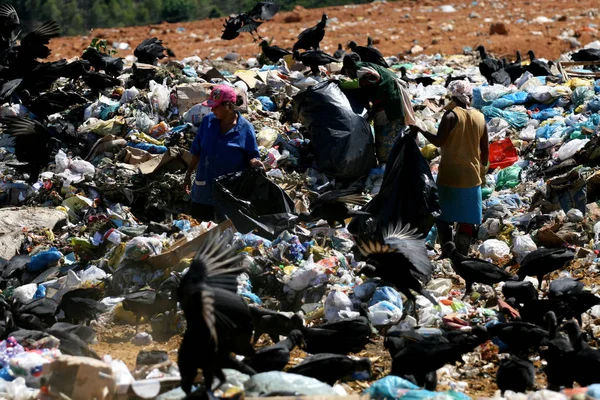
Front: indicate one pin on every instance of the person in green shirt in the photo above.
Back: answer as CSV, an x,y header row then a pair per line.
x,y
391,108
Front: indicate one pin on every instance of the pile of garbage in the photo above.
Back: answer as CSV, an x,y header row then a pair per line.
x,y
100,238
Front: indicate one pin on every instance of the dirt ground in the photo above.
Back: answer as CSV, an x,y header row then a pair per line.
x,y
115,341
395,26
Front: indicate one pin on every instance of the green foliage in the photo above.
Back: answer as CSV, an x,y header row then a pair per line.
x,y
78,17
102,46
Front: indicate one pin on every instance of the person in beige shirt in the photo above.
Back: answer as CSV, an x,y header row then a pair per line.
x,y
462,137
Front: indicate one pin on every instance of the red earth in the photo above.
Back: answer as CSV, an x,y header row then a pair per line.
x,y
395,26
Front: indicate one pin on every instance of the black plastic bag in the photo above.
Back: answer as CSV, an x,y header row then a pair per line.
x,y
253,203
341,138
408,193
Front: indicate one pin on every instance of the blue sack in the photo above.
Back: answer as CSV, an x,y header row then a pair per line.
x,y
43,259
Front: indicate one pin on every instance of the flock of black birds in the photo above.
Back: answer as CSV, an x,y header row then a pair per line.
x,y
26,80
528,323
308,40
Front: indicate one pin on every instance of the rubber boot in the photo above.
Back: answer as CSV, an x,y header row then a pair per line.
x,y
463,243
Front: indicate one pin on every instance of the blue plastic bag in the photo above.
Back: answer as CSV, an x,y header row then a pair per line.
x,y
478,101
190,71
546,114
43,259
546,131
150,148
40,292
389,387
432,236
517,97
515,119
502,103
267,103
593,391
386,293
594,105
182,224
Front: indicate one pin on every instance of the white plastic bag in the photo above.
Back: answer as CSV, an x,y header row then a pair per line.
x,y
301,277
384,313
569,149
195,114
494,249
335,303
575,215
129,94
82,167
159,96
522,245
25,293
490,228
62,161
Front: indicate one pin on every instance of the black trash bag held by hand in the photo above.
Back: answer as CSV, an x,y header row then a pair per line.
x,y
408,193
253,203
341,138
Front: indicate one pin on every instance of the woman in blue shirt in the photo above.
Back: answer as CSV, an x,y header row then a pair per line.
x,y
224,143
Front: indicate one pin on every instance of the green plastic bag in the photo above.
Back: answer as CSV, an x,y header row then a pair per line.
x,y
509,177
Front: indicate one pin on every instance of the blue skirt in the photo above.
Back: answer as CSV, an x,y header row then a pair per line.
x,y
462,205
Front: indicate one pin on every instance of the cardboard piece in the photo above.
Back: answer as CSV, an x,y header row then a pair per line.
x,y
248,77
183,249
190,94
80,378
172,159
134,156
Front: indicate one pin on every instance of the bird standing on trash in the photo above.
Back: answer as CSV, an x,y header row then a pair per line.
x,y
487,65
339,53
542,261
273,53
368,54
150,51
423,80
537,67
310,38
474,270
516,374
218,320
276,357
398,257
313,59
100,61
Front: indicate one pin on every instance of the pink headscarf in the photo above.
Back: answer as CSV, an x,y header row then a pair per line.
x,y
462,90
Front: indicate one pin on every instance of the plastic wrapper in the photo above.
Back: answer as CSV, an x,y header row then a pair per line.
x,y
508,177
140,248
389,387
44,259
25,293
